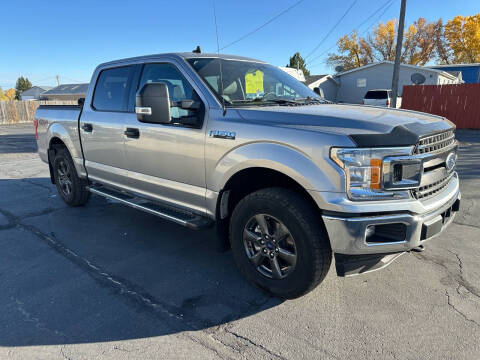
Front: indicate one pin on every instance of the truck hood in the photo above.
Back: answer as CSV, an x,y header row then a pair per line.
x,y
366,125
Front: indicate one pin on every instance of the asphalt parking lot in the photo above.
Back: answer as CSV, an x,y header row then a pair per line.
x,y
109,282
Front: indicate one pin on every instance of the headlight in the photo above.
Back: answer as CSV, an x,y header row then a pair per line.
x,y
364,171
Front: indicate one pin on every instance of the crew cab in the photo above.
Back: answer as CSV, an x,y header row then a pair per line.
x,y
287,179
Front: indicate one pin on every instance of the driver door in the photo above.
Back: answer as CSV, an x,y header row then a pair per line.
x,y
166,162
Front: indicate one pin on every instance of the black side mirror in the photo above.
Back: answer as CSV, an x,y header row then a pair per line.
x,y
316,90
152,103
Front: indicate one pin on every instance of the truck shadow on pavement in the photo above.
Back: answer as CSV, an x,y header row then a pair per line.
x,y
106,272
17,143
469,153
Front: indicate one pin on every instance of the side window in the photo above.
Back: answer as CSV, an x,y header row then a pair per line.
x,y
111,91
178,88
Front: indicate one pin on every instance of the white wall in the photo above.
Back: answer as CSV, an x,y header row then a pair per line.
x,y
380,77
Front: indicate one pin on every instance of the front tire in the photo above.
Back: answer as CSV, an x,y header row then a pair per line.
x,y
70,186
279,243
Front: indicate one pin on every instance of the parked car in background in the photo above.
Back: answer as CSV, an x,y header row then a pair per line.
x,y
380,97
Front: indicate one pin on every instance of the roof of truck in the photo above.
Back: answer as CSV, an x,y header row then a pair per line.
x,y
183,55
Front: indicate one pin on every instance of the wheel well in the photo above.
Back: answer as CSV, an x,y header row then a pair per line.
x,y
55,143
252,179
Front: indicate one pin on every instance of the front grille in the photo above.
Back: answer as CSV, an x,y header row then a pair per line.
x,y
435,142
429,190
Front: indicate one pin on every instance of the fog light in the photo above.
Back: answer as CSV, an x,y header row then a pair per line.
x,y
396,232
369,232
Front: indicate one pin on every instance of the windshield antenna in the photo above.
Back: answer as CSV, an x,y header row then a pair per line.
x,y
219,61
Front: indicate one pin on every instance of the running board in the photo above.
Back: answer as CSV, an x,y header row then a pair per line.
x,y
179,216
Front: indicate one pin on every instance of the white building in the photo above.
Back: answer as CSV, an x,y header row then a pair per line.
x,y
353,84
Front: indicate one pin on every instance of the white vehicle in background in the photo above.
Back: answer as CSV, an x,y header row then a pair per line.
x,y
380,97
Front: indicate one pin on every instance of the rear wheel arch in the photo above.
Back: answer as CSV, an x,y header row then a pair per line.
x,y
53,146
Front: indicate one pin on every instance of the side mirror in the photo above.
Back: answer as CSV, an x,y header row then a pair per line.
x,y
152,103
316,90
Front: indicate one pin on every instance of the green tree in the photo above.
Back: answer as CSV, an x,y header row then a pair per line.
x,y
297,61
22,85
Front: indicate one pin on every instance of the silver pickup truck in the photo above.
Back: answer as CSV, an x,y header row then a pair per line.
x,y
287,178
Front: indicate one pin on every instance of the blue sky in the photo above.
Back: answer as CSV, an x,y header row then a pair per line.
x,y
44,38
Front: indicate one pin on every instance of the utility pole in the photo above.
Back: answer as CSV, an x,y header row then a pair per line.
x,y
58,80
398,52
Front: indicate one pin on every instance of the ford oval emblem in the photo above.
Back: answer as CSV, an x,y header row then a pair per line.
x,y
451,160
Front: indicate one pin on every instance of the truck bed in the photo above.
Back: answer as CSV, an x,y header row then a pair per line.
x,y
48,118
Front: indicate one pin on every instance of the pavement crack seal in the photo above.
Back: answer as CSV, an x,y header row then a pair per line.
x,y
121,286
458,311
458,278
46,187
462,282
465,224
65,356
131,292
251,342
30,318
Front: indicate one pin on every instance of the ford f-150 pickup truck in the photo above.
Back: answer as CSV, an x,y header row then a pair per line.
x,y
288,179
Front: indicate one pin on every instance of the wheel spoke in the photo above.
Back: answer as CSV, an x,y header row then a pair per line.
x,y
262,222
286,255
257,259
276,271
252,236
281,232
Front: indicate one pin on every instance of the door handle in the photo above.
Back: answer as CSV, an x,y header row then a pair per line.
x,y
132,133
87,127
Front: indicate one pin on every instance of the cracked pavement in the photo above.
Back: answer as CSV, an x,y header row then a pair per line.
x,y
109,282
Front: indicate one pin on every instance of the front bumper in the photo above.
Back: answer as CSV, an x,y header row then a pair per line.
x,y
349,233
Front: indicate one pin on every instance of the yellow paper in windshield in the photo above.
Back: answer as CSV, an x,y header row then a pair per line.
x,y
254,82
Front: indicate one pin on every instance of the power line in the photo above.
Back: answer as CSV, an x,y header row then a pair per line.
x,y
386,6
78,81
375,12
332,29
263,25
378,18
388,3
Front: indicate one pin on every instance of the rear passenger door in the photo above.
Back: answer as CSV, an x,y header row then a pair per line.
x,y
166,161
102,125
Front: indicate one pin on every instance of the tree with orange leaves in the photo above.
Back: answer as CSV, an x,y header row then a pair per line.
x,y
462,35
10,94
420,45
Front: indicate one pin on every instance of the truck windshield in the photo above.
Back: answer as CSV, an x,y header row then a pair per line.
x,y
248,83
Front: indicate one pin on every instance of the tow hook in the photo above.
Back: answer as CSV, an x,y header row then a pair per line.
x,y
420,248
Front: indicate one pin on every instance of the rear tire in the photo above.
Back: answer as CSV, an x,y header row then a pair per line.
x,y
292,255
70,186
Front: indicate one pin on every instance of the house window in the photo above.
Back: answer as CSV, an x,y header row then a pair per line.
x,y
362,82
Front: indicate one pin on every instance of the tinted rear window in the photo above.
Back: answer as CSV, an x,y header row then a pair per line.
x,y
376,95
111,91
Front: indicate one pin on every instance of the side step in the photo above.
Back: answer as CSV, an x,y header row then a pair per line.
x,y
179,216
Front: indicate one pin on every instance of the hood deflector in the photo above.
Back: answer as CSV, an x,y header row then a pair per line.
x,y
401,135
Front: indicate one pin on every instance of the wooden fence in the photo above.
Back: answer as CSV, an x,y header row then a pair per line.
x,y
460,103
12,112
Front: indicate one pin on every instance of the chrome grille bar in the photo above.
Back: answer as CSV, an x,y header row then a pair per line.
x,y
434,149
433,188
435,142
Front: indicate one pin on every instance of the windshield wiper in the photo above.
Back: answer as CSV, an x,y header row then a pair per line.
x,y
280,101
